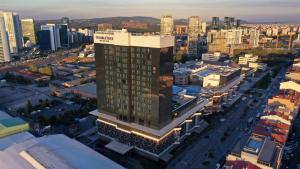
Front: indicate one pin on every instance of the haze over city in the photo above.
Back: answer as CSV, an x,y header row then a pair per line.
x,y
251,10
149,84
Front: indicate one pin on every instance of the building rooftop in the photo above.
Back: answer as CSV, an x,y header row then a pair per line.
x,y
267,152
4,115
239,165
54,151
124,38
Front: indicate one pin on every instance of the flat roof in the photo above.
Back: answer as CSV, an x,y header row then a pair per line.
x,y
10,122
118,147
267,152
54,151
4,115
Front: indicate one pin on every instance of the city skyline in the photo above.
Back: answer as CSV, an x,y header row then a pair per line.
x,y
266,11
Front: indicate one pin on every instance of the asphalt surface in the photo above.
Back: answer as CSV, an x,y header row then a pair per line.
x,y
209,149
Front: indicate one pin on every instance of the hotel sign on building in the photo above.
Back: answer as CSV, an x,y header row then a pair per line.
x,y
104,37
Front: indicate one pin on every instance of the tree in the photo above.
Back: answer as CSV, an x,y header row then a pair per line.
x,y
28,108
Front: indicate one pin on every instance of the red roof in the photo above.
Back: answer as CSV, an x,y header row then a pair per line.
x,y
268,128
240,165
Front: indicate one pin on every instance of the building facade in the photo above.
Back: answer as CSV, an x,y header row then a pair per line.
x,y
104,26
134,79
28,30
14,30
54,35
166,25
4,43
194,29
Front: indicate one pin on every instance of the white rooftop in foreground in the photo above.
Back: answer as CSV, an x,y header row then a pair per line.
x,y
4,115
55,152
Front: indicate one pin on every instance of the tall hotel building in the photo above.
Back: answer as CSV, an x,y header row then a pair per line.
x,y
4,44
134,90
14,30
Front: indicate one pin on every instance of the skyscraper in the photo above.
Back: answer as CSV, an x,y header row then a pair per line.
x,y
65,21
4,44
14,30
194,29
166,25
227,22
63,35
215,24
44,40
28,30
54,35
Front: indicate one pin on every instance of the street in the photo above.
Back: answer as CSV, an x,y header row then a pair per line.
x,y
213,146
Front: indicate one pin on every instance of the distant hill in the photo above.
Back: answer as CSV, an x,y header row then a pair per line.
x,y
116,21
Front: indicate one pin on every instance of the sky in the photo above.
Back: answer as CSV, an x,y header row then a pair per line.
x,y
250,10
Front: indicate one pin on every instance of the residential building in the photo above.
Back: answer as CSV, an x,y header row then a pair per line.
x,y
247,58
131,24
194,29
258,66
181,29
254,38
166,25
28,31
14,30
4,43
233,36
216,56
259,151
104,26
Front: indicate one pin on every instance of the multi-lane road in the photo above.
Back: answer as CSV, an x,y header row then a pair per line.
x,y
211,147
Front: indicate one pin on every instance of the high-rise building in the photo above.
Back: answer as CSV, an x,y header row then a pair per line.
x,y
227,22
134,77
104,26
254,38
63,35
65,21
238,23
166,25
134,89
28,30
232,22
203,27
14,30
233,36
215,23
44,40
194,29
54,35
4,43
